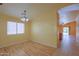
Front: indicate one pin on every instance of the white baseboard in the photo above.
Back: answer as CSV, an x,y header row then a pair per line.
x,y
13,43
49,45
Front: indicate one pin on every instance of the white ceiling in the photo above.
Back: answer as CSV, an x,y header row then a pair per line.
x,y
13,9
69,8
16,9
65,13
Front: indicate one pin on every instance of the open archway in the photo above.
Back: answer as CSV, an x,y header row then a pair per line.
x,y
67,25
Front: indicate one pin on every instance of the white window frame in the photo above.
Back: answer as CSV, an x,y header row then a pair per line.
x,y
16,30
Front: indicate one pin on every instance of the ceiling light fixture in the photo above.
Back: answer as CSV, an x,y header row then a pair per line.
x,y
24,17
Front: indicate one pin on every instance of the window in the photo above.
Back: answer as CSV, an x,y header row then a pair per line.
x,y
11,28
15,28
20,28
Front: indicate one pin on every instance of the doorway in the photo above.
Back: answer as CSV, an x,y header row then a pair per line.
x,y
65,31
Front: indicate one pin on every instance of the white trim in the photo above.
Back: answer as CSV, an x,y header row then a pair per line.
x,y
50,45
14,43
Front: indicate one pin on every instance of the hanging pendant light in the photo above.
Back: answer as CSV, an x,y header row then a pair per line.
x,y
24,17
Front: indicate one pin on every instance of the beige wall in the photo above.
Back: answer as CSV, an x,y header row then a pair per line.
x,y
44,24
6,40
44,29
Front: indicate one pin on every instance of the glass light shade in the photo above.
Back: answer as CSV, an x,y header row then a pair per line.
x,y
27,19
23,19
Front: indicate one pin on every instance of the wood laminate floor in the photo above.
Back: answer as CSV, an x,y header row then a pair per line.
x,y
68,48
27,49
